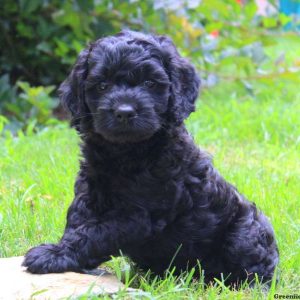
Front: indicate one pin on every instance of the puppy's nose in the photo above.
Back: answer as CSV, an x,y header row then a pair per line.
x,y
124,112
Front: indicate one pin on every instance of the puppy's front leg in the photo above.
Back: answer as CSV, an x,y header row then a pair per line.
x,y
91,243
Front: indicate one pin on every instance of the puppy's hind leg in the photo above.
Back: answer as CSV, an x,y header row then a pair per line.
x,y
250,249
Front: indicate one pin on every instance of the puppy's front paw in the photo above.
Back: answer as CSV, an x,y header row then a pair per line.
x,y
49,258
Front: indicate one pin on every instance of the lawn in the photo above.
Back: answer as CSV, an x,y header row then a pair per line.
x,y
255,141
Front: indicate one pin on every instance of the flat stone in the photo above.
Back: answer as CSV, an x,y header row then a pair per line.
x,y
16,283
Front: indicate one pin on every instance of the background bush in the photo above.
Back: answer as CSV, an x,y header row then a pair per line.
x,y
40,40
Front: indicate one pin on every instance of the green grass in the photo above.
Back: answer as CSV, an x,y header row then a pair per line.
x,y
256,146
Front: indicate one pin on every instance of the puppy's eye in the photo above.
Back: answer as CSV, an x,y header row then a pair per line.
x,y
102,86
149,83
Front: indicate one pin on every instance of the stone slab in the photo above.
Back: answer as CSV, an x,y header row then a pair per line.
x,y
16,283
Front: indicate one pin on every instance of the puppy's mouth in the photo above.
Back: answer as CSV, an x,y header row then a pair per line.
x,y
137,128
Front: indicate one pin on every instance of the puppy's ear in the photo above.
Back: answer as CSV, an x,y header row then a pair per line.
x,y
185,82
71,91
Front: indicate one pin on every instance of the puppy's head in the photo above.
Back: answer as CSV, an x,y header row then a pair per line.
x,y
128,86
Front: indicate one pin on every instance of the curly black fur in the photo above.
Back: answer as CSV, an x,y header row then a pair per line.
x,y
143,186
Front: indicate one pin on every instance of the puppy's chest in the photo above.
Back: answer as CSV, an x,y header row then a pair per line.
x,y
143,190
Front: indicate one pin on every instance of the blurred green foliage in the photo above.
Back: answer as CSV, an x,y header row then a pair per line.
x,y
40,40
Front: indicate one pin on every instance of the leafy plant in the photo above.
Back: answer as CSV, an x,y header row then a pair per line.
x,y
29,109
38,101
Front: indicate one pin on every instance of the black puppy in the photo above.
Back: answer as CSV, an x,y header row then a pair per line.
x,y
143,186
